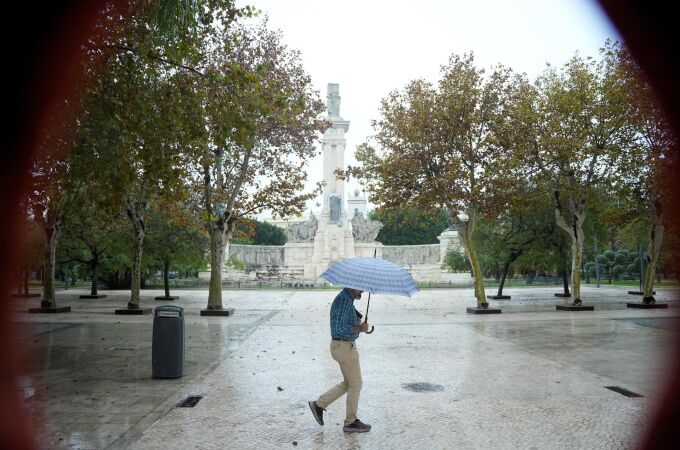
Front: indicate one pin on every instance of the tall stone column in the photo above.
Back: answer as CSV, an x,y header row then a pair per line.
x,y
333,240
333,147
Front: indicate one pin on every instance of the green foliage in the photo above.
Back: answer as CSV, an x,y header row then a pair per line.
x,y
455,261
614,264
244,230
410,226
235,263
174,238
267,234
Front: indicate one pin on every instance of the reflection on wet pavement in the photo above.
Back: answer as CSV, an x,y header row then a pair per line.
x,y
87,375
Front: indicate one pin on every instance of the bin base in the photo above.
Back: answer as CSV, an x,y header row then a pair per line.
x,y
134,312
218,312
157,377
171,297
639,293
500,297
562,294
93,296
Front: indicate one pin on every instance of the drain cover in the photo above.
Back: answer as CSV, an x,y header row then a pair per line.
x,y
623,391
423,387
190,401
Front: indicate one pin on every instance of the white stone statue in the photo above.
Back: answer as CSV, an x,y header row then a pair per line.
x,y
303,231
333,100
334,203
365,230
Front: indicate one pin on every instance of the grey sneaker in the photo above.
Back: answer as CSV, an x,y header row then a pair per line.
x,y
317,411
356,427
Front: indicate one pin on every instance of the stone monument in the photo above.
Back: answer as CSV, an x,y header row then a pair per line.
x,y
364,229
303,231
333,240
313,245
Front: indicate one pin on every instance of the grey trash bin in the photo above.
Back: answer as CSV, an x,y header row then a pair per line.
x,y
167,350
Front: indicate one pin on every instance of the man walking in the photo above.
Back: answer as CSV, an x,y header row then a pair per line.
x,y
345,328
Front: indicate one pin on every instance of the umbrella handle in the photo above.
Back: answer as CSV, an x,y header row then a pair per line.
x,y
366,320
372,327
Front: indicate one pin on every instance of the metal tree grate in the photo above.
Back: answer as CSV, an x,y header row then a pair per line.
x,y
623,391
190,401
423,387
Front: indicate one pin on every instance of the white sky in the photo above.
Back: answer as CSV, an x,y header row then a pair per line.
x,y
371,47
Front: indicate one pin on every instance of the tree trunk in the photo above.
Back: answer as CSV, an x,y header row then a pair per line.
x,y
652,258
577,254
25,280
217,243
565,281
136,268
95,274
52,234
166,281
135,210
464,234
575,231
506,266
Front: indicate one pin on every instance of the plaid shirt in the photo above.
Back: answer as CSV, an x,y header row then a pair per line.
x,y
344,317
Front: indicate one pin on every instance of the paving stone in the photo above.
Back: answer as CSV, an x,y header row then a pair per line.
x,y
528,378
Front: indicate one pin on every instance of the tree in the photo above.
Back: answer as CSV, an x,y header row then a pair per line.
x,y
580,129
610,265
49,196
504,239
137,124
174,239
88,238
410,226
267,234
646,165
244,231
32,255
454,261
261,120
438,147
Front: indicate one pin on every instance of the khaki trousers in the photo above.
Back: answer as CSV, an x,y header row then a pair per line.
x,y
347,356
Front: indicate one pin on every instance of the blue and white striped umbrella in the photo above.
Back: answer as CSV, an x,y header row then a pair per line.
x,y
372,275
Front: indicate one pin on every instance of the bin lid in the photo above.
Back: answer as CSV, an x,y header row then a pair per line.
x,y
168,311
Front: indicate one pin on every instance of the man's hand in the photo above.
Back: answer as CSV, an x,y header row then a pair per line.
x,y
361,328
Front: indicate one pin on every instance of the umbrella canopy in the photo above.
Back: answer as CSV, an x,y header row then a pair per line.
x,y
372,275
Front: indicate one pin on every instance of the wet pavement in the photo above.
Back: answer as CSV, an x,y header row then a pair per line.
x,y
434,376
